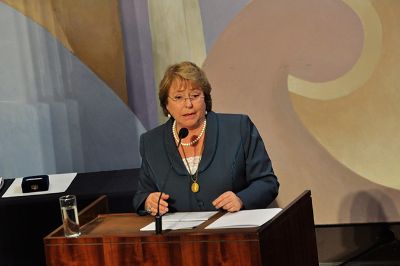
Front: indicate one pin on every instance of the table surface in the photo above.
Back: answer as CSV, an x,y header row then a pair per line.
x,y
25,221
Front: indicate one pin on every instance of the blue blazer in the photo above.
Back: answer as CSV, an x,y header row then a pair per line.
x,y
234,159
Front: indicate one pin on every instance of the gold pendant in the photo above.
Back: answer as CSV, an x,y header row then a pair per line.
x,y
195,187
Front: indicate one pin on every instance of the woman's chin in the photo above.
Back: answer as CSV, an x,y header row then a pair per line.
x,y
191,126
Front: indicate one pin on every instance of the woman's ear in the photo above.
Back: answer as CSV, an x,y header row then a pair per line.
x,y
168,112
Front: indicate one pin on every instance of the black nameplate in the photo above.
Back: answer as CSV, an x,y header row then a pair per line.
x,y
35,183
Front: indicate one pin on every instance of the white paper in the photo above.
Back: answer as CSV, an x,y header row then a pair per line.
x,y
244,218
57,184
181,220
173,225
188,216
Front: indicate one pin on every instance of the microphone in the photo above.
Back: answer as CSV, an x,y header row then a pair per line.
x,y
183,132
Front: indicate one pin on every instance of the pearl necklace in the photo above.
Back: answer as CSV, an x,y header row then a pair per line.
x,y
192,142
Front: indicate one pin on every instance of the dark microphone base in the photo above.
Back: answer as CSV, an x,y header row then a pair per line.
x,y
158,224
183,132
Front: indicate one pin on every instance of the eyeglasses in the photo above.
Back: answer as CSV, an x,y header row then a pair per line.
x,y
194,97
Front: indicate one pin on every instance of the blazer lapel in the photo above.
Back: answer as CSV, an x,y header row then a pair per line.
x,y
173,154
210,145
210,141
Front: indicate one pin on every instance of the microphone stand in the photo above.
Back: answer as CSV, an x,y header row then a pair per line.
x,y
183,132
158,217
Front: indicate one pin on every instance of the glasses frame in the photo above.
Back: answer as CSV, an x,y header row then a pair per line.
x,y
183,99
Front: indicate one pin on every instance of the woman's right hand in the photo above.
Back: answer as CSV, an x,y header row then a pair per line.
x,y
150,204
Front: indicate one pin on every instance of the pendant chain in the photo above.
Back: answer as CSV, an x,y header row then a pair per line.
x,y
195,187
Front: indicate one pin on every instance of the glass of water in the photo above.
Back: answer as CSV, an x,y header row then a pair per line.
x,y
69,213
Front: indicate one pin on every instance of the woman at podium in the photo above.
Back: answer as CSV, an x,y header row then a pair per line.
x,y
199,160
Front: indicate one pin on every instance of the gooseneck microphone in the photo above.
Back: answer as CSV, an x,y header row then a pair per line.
x,y
183,132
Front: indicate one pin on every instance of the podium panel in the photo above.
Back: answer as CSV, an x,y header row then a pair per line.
x,y
116,239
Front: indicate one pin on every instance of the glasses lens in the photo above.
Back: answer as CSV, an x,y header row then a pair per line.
x,y
194,97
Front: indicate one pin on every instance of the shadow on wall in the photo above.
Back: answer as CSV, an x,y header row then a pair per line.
x,y
367,204
361,240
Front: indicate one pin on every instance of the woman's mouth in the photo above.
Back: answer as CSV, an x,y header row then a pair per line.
x,y
189,116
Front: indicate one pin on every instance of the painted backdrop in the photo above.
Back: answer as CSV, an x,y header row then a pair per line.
x,y
78,86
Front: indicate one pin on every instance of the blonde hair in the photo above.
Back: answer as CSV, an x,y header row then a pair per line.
x,y
184,72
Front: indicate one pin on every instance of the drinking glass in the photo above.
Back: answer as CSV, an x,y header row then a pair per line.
x,y
69,214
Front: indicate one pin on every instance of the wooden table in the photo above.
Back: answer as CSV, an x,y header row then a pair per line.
x,y
116,239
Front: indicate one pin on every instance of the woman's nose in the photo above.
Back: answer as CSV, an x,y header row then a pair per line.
x,y
188,102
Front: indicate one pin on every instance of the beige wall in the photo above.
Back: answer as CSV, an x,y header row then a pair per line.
x,y
177,35
319,80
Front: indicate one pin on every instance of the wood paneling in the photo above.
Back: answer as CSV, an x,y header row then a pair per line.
x,y
116,239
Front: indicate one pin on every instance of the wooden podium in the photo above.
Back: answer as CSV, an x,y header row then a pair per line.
x,y
115,239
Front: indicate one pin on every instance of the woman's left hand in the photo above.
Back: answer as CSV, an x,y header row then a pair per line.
x,y
228,201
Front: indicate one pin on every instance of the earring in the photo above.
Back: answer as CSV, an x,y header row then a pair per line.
x,y
206,112
169,116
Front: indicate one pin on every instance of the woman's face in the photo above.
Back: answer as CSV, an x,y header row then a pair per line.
x,y
186,104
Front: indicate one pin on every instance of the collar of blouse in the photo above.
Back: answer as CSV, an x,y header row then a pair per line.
x,y
210,145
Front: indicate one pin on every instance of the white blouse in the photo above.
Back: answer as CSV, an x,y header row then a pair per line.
x,y
193,163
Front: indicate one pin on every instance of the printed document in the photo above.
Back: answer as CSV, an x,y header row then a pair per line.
x,y
244,218
181,220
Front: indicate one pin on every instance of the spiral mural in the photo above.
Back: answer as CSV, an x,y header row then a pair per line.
x,y
318,78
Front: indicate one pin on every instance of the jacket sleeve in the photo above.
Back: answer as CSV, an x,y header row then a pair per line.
x,y
262,183
146,183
